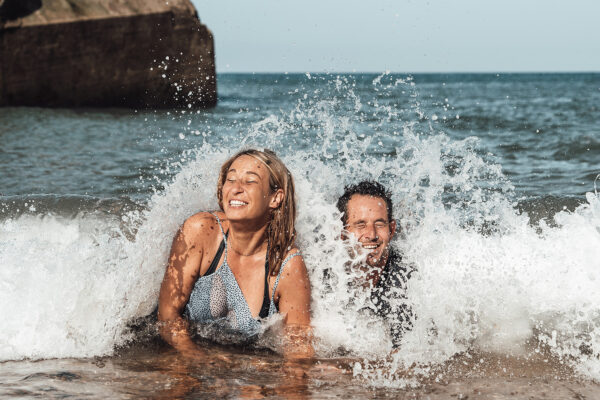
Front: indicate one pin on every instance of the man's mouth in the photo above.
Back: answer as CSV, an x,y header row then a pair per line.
x,y
237,203
370,246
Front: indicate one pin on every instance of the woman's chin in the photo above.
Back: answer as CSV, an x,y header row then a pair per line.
x,y
240,215
236,214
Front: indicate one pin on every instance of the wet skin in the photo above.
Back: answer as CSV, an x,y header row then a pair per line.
x,y
247,203
246,194
367,220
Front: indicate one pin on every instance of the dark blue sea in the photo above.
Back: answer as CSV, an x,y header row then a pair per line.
x,y
543,129
493,178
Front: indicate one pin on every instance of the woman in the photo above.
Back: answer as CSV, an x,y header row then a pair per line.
x,y
233,267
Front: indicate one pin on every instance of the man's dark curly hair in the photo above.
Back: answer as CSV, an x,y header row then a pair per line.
x,y
365,188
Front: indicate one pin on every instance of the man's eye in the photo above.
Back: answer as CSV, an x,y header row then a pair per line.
x,y
380,225
360,226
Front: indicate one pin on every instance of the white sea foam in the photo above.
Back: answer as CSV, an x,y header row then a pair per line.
x,y
486,278
63,293
71,285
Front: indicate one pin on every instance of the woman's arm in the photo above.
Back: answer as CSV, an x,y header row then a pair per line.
x,y
294,302
182,272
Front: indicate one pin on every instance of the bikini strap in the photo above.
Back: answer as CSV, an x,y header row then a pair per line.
x,y
288,258
222,248
215,262
220,226
264,309
223,232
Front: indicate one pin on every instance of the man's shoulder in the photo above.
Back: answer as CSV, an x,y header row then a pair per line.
x,y
396,268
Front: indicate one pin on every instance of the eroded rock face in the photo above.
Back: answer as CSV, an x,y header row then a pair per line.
x,y
106,53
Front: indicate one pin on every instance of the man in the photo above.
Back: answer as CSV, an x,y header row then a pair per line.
x,y
367,215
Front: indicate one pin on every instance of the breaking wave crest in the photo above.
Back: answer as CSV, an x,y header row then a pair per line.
x,y
494,274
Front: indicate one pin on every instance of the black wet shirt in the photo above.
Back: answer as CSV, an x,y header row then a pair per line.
x,y
389,300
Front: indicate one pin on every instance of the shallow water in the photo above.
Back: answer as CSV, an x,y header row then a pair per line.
x,y
493,177
161,373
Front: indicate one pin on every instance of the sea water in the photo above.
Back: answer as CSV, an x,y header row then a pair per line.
x,y
493,178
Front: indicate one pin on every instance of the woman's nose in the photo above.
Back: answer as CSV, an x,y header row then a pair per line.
x,y
237,187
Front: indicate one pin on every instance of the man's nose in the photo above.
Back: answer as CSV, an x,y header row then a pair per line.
x,y
370,232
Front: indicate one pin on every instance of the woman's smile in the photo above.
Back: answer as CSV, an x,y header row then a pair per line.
x,y
237,203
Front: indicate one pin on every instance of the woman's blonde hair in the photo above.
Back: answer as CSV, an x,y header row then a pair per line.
x,y
281,231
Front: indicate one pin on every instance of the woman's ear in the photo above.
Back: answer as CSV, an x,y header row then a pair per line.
x,y
276,199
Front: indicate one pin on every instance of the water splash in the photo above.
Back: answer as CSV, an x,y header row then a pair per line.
x,y
488,278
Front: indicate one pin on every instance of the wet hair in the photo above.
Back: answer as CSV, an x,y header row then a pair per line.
x,y
365,188
281,231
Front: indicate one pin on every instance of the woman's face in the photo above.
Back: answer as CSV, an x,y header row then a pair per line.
x,y
246,191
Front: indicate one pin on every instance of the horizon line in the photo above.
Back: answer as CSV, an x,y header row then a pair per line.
x,y
407,73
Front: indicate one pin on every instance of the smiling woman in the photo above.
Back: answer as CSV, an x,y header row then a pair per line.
x,y
234,267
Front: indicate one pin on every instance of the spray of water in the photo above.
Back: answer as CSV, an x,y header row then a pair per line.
x,y
487,279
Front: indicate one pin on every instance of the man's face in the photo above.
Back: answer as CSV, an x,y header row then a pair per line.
x,y
367,220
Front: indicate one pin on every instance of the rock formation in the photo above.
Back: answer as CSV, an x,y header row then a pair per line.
x,y
105,53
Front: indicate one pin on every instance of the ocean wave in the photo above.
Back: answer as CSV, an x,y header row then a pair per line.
x,y
67,206
493,273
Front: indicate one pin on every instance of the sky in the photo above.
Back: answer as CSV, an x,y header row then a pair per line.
x,y
404,35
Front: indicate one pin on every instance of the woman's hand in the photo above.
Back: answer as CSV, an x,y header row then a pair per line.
x,y
215,357
183,270
297,342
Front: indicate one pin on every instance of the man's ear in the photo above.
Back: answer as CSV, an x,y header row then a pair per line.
x,y
277,199
344,233
392,228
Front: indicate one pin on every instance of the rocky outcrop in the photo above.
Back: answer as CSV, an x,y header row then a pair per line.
x,y
105,53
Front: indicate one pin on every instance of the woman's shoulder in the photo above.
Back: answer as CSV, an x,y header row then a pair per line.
x,y
293,272
203,224
293,260
293,252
